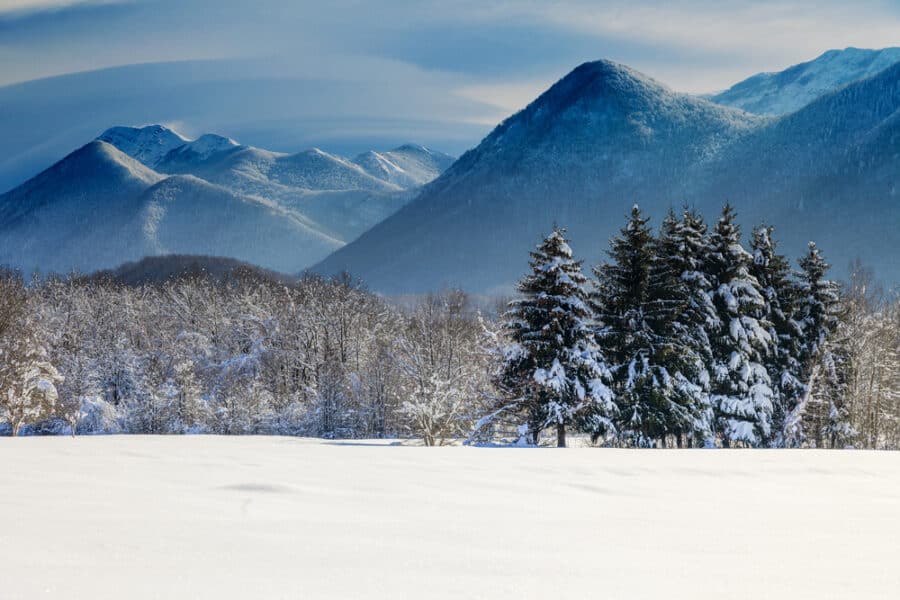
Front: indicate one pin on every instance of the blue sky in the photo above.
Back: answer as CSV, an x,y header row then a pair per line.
x,y
346,73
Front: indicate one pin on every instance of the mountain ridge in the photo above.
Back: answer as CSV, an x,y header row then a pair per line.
x,y
783,92
158,189
575,157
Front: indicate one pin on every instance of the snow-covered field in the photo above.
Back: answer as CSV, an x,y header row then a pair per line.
x,y
215,517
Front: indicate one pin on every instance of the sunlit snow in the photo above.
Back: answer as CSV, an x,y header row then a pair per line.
x,y
244,517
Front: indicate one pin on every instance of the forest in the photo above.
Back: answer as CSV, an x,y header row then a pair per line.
x,y
682,337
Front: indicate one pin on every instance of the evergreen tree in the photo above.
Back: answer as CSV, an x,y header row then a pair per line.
x,y
637,301
554,370
742,395
822,412
779,290
683,314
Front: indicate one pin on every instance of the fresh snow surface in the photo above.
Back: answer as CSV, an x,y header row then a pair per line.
x,y
249,517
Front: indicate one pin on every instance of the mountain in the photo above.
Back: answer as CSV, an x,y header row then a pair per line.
x,y
99,207
407,166
197,150
605,137
341,197
187,215
148,145
789,90
149,191
599,140
256,101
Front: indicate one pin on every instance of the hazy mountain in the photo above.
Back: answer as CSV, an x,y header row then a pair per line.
x,y
186,215
140,191
789,90
99,207
340,196
257,102
147,145
605,137
407,166
78,214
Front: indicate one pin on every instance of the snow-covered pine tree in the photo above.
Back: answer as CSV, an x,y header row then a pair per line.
x,y
637,300
822,413
742,393
681,312
779,290
553,370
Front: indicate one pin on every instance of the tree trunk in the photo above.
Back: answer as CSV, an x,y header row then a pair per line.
x,y
16,426
560,435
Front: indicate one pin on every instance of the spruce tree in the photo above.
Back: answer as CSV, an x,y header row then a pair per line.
x,y
742,395
637,302
554,370
779,290
822,412
681,314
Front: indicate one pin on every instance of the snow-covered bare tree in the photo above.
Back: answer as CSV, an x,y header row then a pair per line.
x,y
28,379
442,367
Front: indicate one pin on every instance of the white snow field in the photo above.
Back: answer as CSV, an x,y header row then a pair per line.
x,y
269,517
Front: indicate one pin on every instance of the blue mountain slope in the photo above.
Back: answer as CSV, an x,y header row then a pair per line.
x,y
605,137
790,90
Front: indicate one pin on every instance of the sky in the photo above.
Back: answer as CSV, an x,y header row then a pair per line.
x,y
346,73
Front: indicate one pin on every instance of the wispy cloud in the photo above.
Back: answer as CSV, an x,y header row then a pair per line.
x,y
341,68
25,7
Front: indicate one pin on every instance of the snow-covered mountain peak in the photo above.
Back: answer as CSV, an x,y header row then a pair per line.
x,y
409,165
600,113
206,145
787,91
604,138
104,163
146,144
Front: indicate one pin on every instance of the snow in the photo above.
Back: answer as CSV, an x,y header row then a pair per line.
x,y
145,144
605,137
789,90
318,200
206,145
246,517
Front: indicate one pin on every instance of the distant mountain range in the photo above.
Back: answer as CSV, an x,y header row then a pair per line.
x,y
813,150
605,137
147,191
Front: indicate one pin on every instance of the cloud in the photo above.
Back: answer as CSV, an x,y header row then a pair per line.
x,y
25,7
752,35
430,70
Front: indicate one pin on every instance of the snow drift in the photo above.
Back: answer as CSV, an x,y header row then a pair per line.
x,y
245,517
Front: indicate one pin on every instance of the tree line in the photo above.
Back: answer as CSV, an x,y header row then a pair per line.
x,y
681,338
687,338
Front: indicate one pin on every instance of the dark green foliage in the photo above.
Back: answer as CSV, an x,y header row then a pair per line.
x,y
553,369
780,294
639,301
